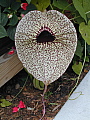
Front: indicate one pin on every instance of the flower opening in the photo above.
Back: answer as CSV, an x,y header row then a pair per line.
x,y
44,37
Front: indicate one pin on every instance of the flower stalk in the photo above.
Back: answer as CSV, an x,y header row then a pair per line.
x,y
43,102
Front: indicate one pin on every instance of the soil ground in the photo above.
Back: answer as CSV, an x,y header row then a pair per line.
x,y
56,96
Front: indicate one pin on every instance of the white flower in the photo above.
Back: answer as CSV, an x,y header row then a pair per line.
x,y
10,15
45,43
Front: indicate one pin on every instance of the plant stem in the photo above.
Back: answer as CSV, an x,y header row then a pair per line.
x,y
51,6
66,7
79,74
43,102
74,18
21,88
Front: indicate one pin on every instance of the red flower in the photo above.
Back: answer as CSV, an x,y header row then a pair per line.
x,y
24,6
11,52
15,109
21,104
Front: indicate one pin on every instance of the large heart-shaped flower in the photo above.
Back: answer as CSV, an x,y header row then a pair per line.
x,y
45,43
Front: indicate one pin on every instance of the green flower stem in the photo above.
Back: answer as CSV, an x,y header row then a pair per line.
x,y
66,7
79,74
87,12
51,7
79,16
74,18
77,96
21,88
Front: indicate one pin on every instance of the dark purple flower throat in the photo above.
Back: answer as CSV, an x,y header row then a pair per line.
x,y
45,36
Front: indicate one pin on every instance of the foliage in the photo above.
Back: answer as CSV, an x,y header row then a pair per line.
x,y
4,103
38,84
75,66
47,94
10,14
41,4
3,32
78,11
85,31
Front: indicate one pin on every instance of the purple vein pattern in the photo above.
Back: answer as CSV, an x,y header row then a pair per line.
x,y
46,61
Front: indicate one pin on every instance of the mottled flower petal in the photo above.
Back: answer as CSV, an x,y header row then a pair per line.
x,y
46,57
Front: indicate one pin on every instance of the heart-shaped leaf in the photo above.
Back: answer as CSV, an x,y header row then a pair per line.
x,y
80,9
3,32
4,19
85,31
79,50
77,68
62,4
13,20
86,5
11,32
41,4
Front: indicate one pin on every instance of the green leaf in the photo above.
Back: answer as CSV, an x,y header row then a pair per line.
x,y
78,18
13,20
30,7
5,3
41,4
4,103
86,5
73,79
79,50
53,103
87,59
62,4
88,48
15,5
0,14
77,68
4,19
38,84
3,32
80,9
6,10
85,31
11,32
28,1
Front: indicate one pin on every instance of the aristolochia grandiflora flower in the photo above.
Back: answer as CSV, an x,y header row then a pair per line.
x,y
45,43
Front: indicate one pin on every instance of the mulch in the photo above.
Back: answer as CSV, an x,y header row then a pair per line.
x,y
55,98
